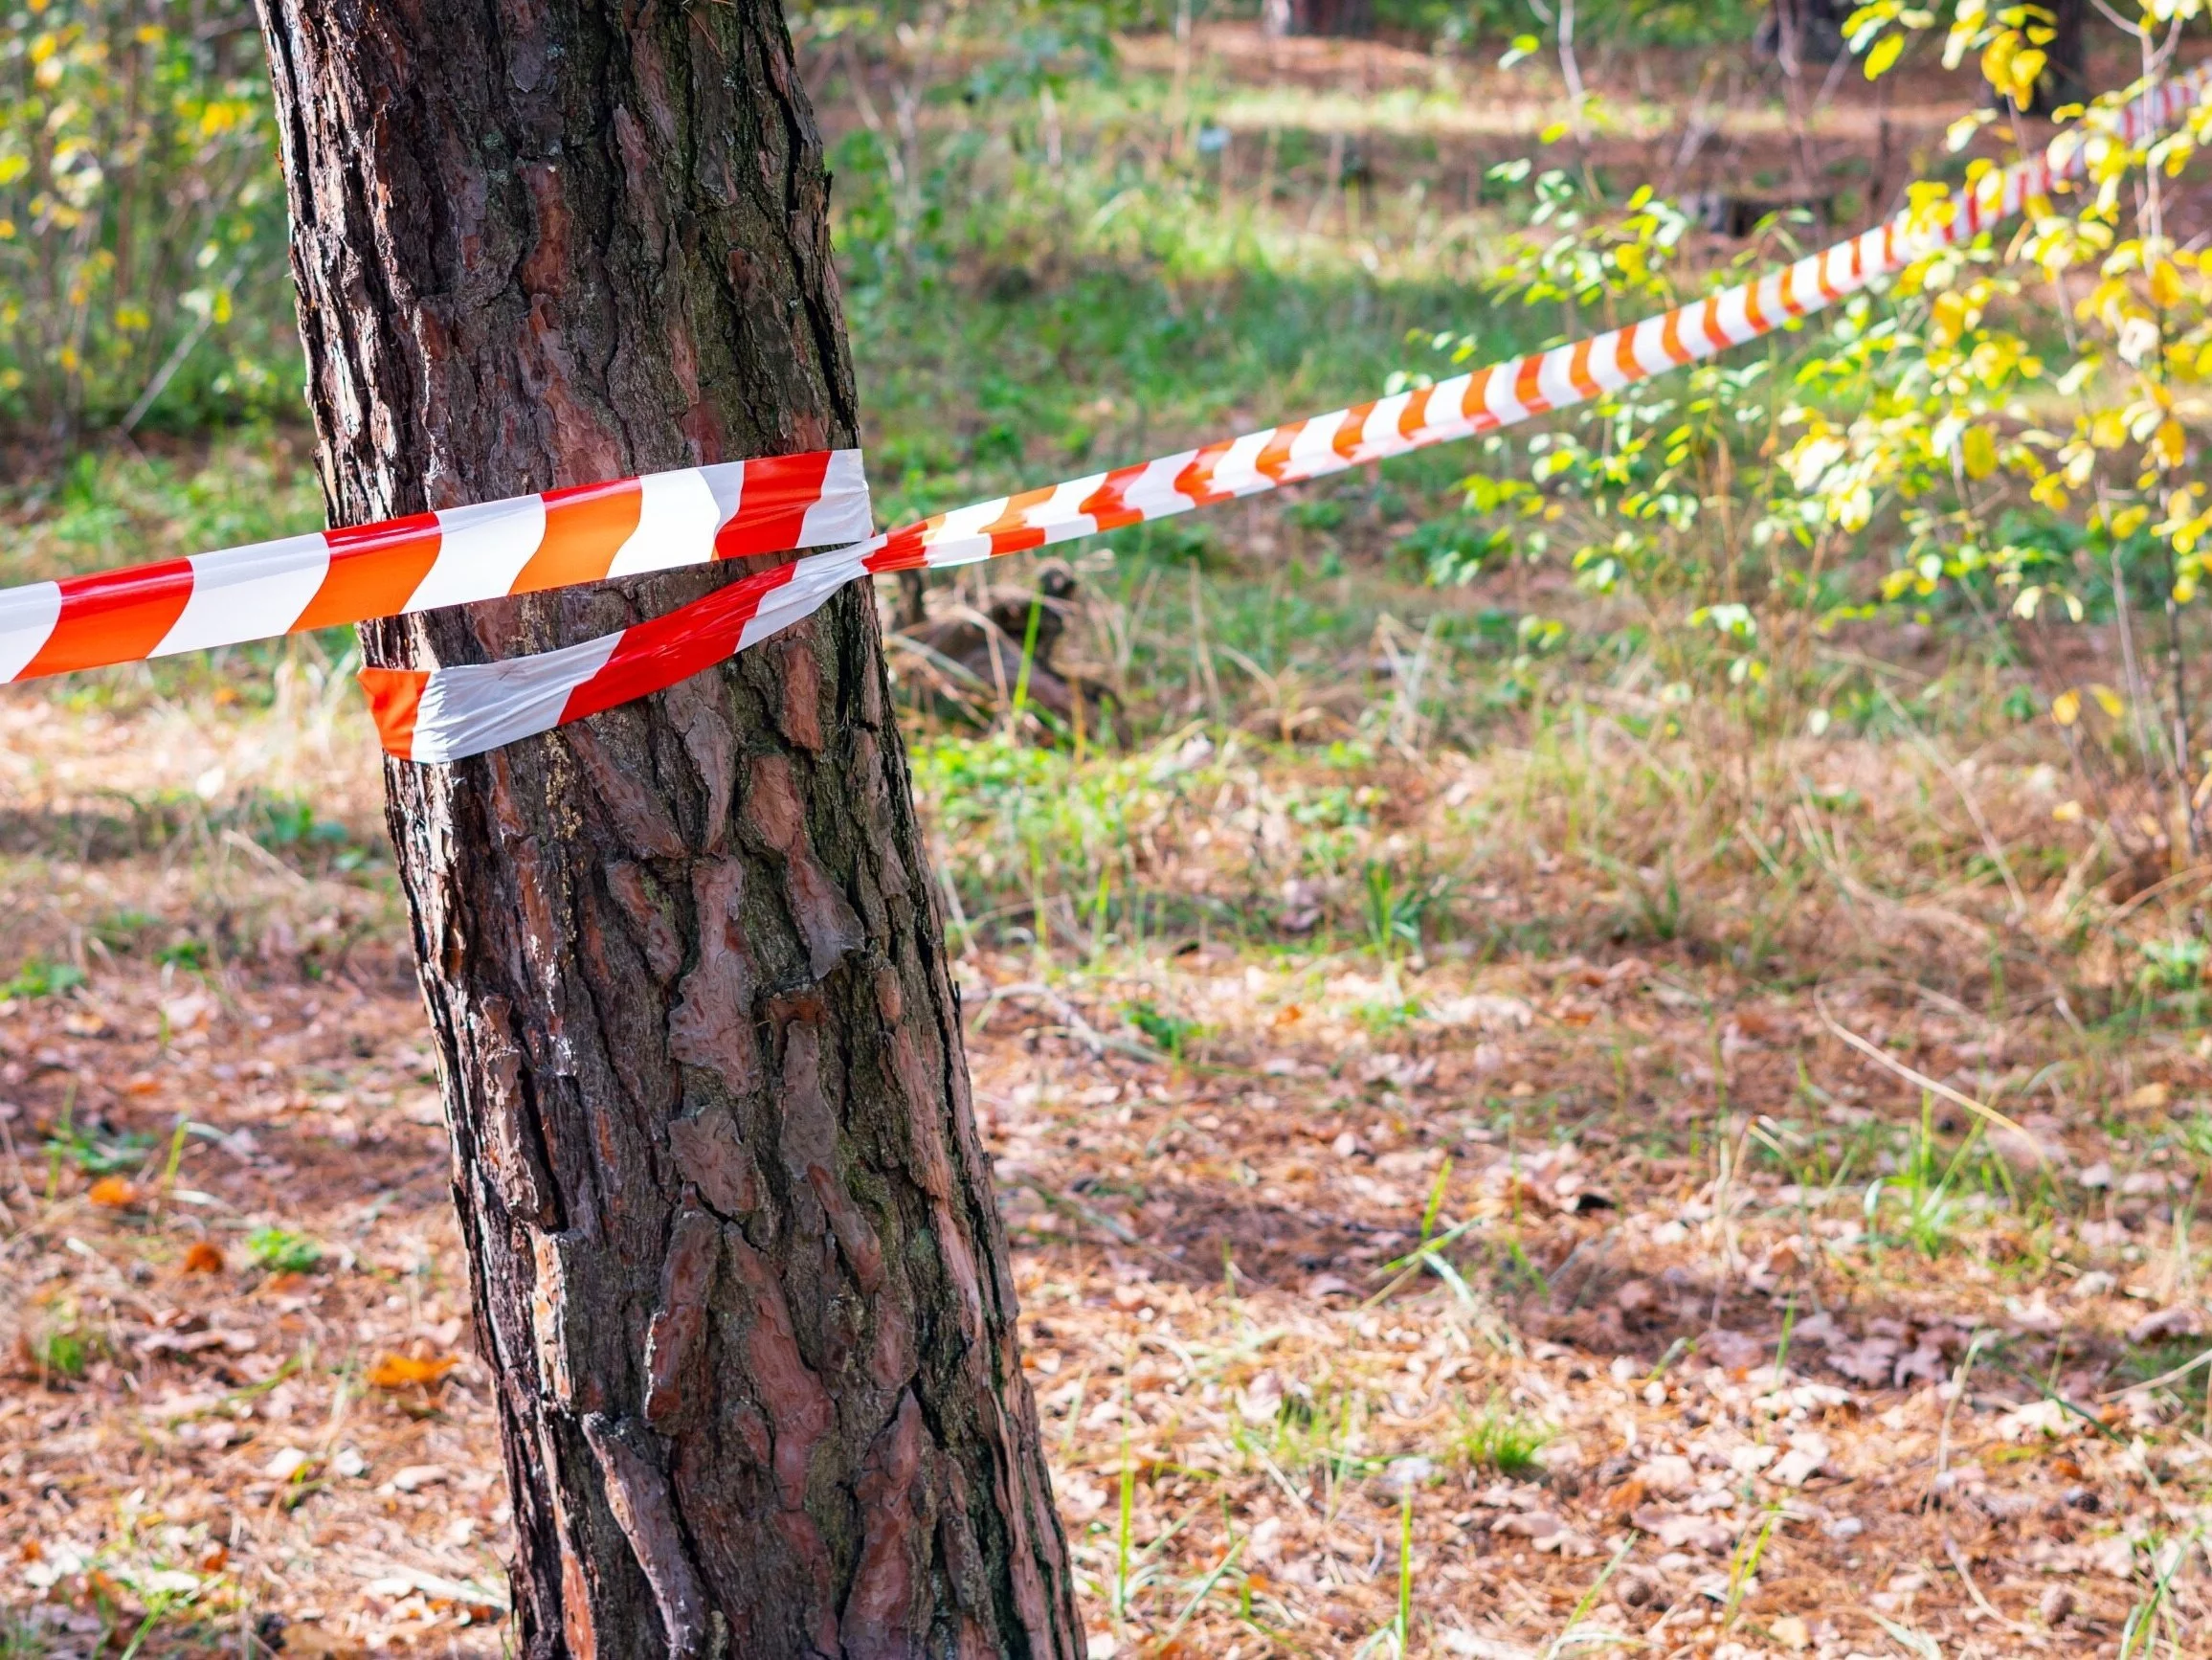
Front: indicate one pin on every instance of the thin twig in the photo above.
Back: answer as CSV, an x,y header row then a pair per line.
x,y
2161,1379
1958,1561
1098,1042
1913,1075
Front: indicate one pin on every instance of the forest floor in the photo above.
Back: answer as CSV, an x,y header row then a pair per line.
x,y
1501,1161
1545,1291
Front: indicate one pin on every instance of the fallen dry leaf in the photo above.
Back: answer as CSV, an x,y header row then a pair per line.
x,y
406,1371
2179,1321
114,1193
203,1258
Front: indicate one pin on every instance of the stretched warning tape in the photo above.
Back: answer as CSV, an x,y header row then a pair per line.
x,y
445,714
457,556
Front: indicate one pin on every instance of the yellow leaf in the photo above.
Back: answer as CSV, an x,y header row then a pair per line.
x,y
1884,54
1978,450
2066,708
2067,811
405,1371
2171,443
1996,59
1553,134
2107,700
2165,285
2025,70
1949,321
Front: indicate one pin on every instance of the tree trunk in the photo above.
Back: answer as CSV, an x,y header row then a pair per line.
x,y
1330,17
1796,32
738,1268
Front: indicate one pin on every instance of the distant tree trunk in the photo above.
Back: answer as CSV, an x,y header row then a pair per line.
x,y
739,1273
2066,78
2066,73
1341,17
1796,32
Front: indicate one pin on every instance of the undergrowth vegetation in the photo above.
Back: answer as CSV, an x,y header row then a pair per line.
x,y
1594,1037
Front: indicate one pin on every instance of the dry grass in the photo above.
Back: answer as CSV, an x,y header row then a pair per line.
x,y
1547,1284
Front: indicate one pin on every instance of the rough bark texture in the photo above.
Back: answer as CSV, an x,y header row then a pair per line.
x,y
737,1263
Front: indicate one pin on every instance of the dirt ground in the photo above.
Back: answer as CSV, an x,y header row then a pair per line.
x,y
1548,1293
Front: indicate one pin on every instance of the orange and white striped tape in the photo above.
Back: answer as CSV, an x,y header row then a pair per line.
x,y
453,557
445,714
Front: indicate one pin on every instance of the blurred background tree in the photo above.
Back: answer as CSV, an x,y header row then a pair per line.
x,y
141,225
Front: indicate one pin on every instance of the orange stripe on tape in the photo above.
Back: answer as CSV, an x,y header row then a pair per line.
x,y
115,617
373,571
1012,532
1753,315
1105,506
1529,383
395,701
1352,431
1578,370
1708,321
1671,338
1416,414
1197,479
586,525
1274,458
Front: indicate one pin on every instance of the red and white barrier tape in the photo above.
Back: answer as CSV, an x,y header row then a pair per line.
x,y
457,556
446,714
741,508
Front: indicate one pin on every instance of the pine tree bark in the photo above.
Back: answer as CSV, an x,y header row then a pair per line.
x,y
738,1268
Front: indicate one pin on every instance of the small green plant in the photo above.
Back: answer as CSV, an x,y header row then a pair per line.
x,y
184,953
21,1639
1929,1208
1391,913
1387,1017
39,978
120,933
1502,1439
2174,965
2195,1132
2140,1631
283,1253
95,1151
293,824
64,1352
1167,1031
1428,1256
